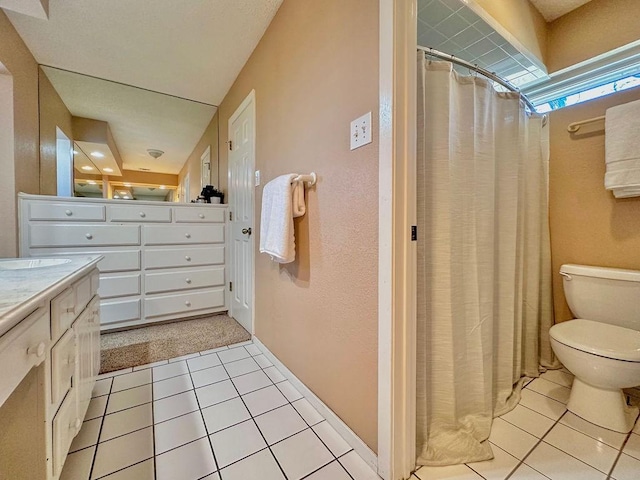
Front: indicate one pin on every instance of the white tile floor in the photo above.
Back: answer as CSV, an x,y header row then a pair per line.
x,y
224,414
541,440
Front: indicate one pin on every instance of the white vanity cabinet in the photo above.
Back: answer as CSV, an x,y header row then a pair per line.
x,y
50,320
162,261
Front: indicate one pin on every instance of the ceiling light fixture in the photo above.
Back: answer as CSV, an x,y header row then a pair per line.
x,y
126,197
154,152
162,187
91,182
87,167
107,169
97,154
127,184
116,196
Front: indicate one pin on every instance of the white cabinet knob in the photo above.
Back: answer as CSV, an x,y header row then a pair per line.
x,y
188,235
188,280
187,303
37,350
201,215
88,236
187,258
68,213
142,214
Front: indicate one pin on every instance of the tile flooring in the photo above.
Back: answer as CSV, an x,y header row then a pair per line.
x,y
223,414
541,440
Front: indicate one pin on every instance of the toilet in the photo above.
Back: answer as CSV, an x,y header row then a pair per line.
x,y
602,346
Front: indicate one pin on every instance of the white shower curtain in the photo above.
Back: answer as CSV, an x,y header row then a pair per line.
x,y
484,269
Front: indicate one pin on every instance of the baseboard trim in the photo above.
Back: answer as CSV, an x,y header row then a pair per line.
x,y
345,432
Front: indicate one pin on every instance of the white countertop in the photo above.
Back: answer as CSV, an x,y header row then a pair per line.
x,y
22,291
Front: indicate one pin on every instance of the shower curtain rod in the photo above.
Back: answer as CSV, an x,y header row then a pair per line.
x,y
492,76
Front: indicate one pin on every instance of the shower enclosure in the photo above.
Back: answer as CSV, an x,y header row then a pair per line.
x,y
484,303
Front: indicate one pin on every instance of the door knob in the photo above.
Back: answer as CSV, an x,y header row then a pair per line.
x,y
246,231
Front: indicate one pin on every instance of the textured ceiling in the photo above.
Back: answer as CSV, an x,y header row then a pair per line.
x,y
139,119
192,49
552,9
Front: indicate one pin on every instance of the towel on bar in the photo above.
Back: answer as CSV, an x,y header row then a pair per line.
x,y
622,144
282,201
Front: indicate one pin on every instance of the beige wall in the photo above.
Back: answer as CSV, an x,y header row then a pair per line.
x,y
315,70
53,113
192,165
521,20
588,225
22,170
595,28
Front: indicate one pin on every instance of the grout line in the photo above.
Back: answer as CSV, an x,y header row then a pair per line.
x,y
153,426
215,460
256,424
124,468
296,410
104,414
624,444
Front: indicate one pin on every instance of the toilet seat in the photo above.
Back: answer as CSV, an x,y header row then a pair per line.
x,y
602,339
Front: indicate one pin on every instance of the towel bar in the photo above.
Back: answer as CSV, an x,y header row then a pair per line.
x,y
310,179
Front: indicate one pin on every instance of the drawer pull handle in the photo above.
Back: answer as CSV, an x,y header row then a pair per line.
x,y
70,309
187,303
37,350
188,280
188,235
89,236
201,215
142,214
68,213
187,258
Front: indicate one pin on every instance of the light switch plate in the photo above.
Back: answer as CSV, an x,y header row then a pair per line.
x,y
257,178
361,131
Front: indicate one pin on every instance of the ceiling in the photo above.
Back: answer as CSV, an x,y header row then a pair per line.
x,y
139,119
552,9
191,49
450,26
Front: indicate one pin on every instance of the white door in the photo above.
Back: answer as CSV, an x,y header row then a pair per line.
x,y
241,165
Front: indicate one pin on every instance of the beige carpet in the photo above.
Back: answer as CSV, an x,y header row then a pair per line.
x,y
144,345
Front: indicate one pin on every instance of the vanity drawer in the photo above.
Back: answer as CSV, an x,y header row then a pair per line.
x,y
66,426
63,312
66,211
183,280
120,285
21,348
83,293
115,260
115,311
199,215
139,213
184,257
83,235
183,234
184,302
63,363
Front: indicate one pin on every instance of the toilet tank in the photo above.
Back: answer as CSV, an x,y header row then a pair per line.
x,y
607,295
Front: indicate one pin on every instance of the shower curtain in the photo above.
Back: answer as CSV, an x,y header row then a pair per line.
x,y
484,268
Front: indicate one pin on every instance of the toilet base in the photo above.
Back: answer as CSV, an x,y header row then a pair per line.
x,y
603,407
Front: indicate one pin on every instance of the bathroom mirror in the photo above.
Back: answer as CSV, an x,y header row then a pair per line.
x,y
104,139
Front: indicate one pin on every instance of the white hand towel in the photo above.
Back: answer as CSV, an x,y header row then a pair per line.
x,y
622,142
281,202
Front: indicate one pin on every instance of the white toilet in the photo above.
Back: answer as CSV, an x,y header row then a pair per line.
x,y
602,346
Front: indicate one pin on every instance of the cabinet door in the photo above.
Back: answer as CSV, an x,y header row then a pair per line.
x,y
84,378
95,336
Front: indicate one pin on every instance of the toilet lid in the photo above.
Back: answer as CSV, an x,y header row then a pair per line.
x,y
598,338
